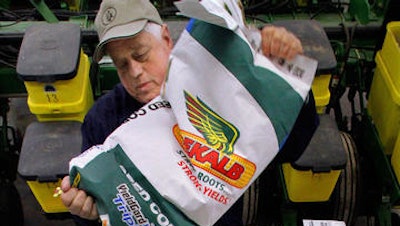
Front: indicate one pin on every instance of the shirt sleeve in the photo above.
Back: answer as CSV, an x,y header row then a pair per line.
x,y
107,114
90,134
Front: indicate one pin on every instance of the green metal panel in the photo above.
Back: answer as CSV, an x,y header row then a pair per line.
x,y
107,78
10,84
5,4
371,145
360,9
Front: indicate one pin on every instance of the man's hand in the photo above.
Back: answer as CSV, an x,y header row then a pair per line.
x,y
279,42
77,201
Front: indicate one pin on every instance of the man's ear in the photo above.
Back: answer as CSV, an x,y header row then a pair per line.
x,y
165,35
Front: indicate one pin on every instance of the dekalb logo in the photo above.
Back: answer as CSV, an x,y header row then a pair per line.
x,y
214,152
218,132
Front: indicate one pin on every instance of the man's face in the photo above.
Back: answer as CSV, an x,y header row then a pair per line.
x,y
142,63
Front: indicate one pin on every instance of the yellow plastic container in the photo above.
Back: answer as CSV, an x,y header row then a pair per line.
x,y
44,193
62,99
384,105
320,88
74,5
306,186
390,52
395,159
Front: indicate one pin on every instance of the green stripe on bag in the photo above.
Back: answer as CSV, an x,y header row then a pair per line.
x,y
275,96
124,194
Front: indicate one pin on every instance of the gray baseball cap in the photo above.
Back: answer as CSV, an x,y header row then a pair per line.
x,y
118,19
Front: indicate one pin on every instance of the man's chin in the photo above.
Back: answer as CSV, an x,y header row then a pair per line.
x,y
146,99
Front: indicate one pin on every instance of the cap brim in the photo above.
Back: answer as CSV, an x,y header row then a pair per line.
x,y
118,32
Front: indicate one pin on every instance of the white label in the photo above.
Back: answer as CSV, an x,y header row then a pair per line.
x,y
323,223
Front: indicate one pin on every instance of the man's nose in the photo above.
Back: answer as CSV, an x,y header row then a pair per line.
x,y
136,68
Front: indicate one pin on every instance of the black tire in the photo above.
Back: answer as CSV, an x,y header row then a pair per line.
x,y
346,198
11,213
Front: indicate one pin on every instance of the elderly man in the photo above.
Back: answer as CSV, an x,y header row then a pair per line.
x,y
132,33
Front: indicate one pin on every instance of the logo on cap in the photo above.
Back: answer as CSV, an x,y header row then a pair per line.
x,y
109,15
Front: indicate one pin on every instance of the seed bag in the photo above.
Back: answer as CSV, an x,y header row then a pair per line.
x,y
224,112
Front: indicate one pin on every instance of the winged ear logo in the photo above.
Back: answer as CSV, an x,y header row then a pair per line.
x,y
219,133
